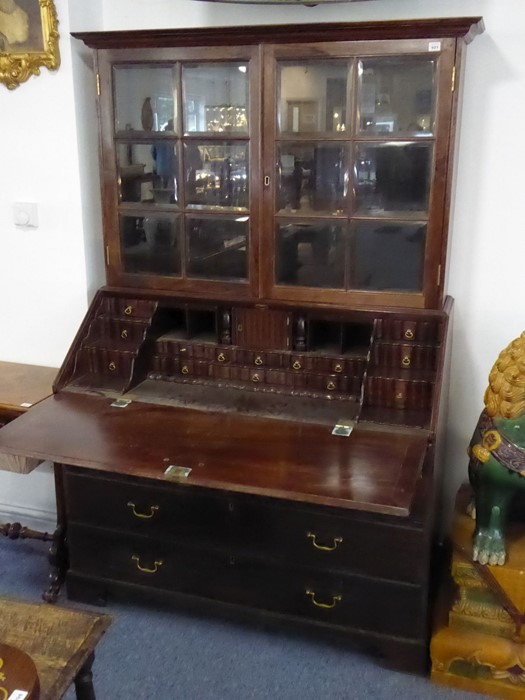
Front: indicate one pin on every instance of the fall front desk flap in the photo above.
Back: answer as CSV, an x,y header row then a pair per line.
x,y
372,470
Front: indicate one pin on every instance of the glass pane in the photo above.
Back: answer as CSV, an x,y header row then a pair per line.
x,y
392,177
388,256
310,255
215,97
218,248
311,178
312,96
145,98
397,95
151,244
148,172
216,175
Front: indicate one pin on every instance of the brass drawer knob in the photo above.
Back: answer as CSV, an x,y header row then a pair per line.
x,y
143,516
124,334
330,386
112,366
128,310
221,357
297,365
258,361
256,378
323,547
405,361
145,570
338,368
409,334
185,369
335,599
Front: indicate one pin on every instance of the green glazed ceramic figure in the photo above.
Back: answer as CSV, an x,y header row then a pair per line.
x,y
497,453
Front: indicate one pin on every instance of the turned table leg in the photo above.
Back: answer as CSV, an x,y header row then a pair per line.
x,y
58,560
84,680
15,531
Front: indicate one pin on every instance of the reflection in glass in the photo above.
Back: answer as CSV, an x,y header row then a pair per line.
x,y
312,96
388,256
397,95
310,255
215,97
217,248
148,172
392,177
216,174
144,98
150,244
311,177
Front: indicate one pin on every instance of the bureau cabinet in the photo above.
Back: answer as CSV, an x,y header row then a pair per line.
x,y
251,411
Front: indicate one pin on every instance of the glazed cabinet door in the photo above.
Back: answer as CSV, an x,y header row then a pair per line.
x,y
179,150
355,158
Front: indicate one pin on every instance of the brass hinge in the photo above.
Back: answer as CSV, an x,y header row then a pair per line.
x,y
453,84
439,276
107,255
98,84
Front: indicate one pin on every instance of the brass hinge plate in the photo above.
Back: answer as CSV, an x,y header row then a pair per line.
x,y
343,427
453,83
175,472
98,84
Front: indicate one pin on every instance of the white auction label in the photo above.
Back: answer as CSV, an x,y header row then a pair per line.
x,y
434,46
18,695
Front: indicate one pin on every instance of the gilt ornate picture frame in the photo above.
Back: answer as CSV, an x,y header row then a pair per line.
x,y
28,39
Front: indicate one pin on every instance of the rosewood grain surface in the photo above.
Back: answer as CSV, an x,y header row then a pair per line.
x,y
372,470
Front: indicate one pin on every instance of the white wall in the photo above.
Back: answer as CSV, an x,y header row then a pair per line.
x,y
46,276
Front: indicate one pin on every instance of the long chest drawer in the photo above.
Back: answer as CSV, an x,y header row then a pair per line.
x,y
348,601
138,506
323,538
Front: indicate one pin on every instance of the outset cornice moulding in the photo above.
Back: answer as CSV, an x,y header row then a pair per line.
x,y
465,27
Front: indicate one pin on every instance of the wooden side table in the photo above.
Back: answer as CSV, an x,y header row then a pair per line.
x,y
60,642
21,386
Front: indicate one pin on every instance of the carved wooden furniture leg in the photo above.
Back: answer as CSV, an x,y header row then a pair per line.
x,y
84,680
57,553
58,560
15,531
